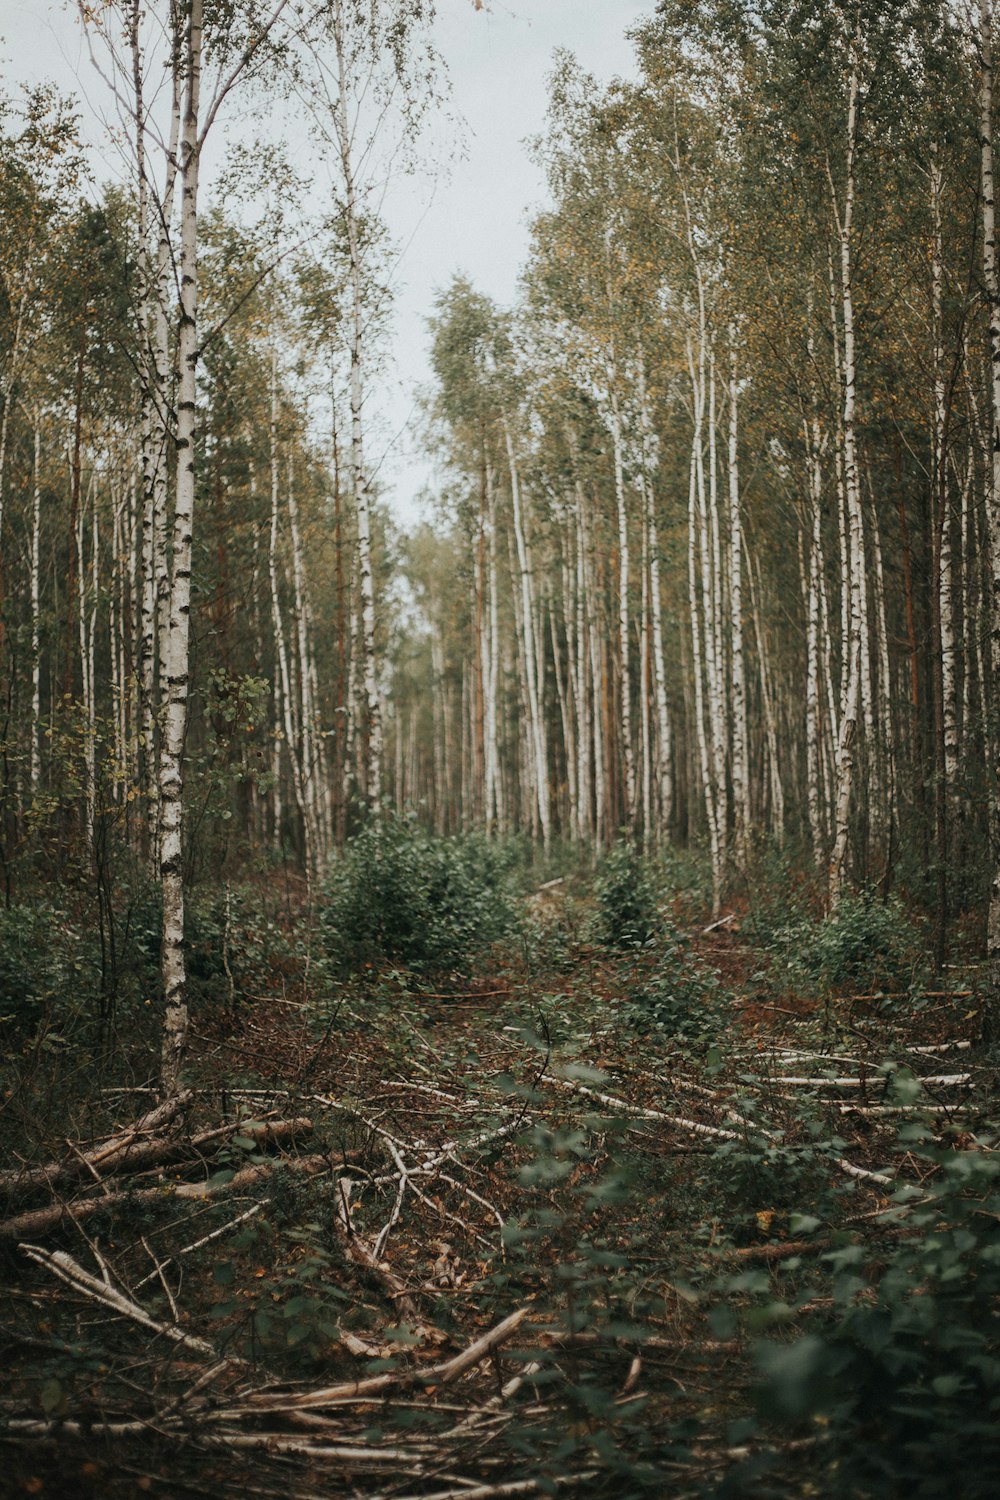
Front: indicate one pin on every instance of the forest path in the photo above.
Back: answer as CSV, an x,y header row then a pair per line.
x,y
530,1158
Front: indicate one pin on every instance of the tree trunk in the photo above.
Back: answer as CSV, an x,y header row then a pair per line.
x,y
175,655
991,280
372,779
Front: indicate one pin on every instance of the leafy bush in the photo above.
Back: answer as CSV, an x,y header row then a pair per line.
x,y
680,997
782,893
627,899
38,956
905,1382
427,903
866,945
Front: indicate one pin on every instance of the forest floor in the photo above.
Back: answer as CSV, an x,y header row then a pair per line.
x,y
522,1234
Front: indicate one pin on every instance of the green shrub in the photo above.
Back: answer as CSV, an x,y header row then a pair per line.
x,y
37,953
782,893
905,1379
400,894
866,945
219,928
627,899
680,998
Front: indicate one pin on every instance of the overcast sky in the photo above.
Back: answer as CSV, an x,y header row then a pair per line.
x,y
475,222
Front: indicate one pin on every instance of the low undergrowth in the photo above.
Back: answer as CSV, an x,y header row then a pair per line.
x,y
747,1233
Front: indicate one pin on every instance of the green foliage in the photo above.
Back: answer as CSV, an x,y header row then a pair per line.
x,y
223,928
292,1310
627,899
402,895
39,956
679,997
782,893
905,1380
866,945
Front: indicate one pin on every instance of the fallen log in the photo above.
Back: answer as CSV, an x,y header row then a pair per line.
x,y
36,1221
73,1275
140,1155
99,1159
350,1391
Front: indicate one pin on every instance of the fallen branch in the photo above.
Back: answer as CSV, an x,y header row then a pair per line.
x,y
647,1114
495,1402
363,1255
206,1239
783,1250
351,1391
37,1221
941,1080
139,1155
501,1491
99,1159
72,1274
863,1174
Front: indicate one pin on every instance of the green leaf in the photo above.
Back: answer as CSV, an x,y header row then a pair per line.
x,y
53,1397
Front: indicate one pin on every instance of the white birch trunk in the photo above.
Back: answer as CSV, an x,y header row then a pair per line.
x,y
496,815
36,650
540,774
991,280
372,781
741,806
286,697
663,737
645,722
854,562
175,649
625,677
310,755
698,668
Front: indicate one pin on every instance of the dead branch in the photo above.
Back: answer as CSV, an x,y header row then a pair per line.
x,y
37,1221
363,1255
99,1159
139,1155
351,1391
648,1114
72,1274
501,1491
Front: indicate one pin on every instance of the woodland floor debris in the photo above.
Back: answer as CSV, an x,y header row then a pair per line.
x,y
480,1278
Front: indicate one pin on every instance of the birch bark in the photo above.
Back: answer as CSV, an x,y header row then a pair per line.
x,y
536,728
855,541
738,682
176,646
991,280
372,781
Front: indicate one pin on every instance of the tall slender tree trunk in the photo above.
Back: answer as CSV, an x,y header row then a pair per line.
x,y
813,745
625,671
533,687
991,280
663,737
290,720
698,669
176,651
495,811
36,650
854,560
360,477
741,807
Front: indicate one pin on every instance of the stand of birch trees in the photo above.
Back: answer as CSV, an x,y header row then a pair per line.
x,y
718,559
723,493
